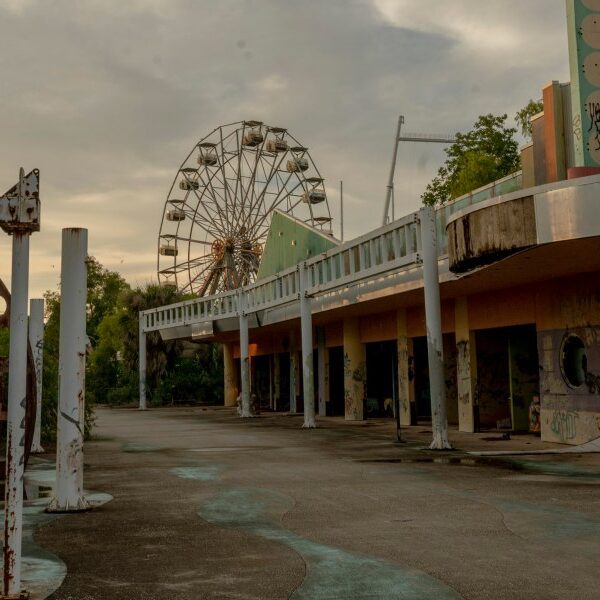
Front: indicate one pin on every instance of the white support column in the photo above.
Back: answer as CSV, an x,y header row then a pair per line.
x,y
433,318
321,371
15,426
244,356
36,340
142,364
72,348
307,351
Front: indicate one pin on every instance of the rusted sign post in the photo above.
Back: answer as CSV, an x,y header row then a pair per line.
x,y
72,346
19,217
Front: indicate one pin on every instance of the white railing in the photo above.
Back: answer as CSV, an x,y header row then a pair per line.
x,y
386,249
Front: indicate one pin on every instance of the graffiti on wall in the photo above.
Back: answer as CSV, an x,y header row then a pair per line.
x,y
564,425
355,384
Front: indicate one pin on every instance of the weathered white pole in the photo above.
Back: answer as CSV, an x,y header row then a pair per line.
x,y
71,365
307,350
322,392
142,364
15,426
244,356
36,340
433,318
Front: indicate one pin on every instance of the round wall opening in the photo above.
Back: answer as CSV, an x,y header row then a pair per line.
x,y
573,362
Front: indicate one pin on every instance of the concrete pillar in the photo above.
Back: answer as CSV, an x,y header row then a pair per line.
x,y
293,381
308,381
15,424
322,371
36,340
405,384
72,348
276,381
244,357
142,352
466,367
355,371
230,380
433,319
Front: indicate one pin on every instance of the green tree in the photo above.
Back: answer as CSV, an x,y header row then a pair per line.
x,y
176,371
486,153
104,289
523,117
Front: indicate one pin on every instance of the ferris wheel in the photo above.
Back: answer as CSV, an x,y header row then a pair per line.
x,y
218,211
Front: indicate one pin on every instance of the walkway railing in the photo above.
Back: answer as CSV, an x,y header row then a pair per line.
x,y
388,248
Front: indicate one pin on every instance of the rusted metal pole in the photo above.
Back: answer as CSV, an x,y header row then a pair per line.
x,y
142,364
244,356
307,350
15,426
433,321
72,347
36,339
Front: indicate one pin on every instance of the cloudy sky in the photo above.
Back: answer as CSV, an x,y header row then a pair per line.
x,y
107,97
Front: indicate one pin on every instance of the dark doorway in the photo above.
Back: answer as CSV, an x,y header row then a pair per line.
x,y
421,379
382,378
336,406
507,376
284,378
261,386
421,367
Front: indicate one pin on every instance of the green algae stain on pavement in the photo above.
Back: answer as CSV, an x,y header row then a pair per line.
x,y
135,447
332,573
207,473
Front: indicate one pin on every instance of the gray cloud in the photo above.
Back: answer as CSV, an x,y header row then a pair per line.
x,y
108,97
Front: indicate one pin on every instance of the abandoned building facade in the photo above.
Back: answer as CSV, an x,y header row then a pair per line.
x,y
519,273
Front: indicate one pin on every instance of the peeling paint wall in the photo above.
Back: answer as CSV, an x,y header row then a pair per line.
x,y
570,414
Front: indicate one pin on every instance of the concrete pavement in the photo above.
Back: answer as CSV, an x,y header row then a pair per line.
x,y
209,506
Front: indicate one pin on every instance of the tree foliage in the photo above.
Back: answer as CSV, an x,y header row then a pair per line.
x,y
523,117
486,153
103,290
176,372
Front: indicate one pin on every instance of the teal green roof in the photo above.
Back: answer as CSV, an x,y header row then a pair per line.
x,y
289,242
